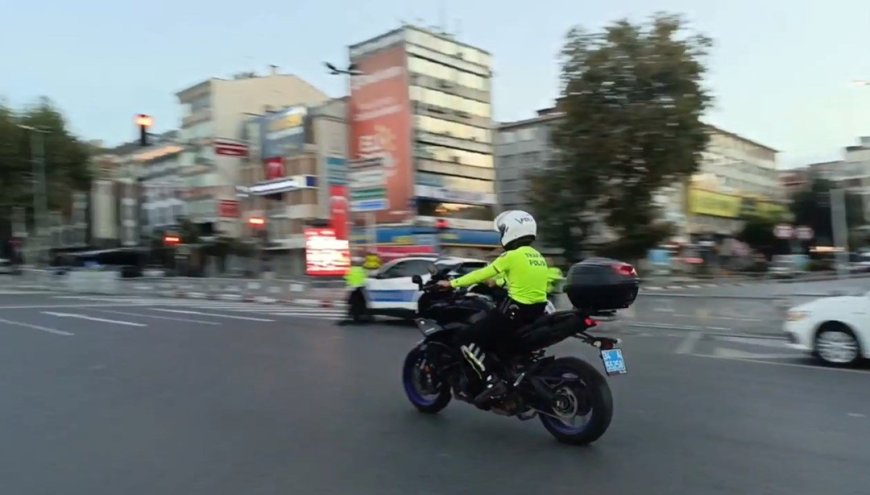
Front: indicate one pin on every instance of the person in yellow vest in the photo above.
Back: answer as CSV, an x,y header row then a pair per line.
x,y
355,280
554,278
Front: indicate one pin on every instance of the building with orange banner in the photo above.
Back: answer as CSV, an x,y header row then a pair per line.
x,y
421,103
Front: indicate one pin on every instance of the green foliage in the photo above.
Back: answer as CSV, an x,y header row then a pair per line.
x,y
813,208
66,158
632,100
758,233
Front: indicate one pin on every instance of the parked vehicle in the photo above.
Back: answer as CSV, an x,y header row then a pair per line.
x,y
569,395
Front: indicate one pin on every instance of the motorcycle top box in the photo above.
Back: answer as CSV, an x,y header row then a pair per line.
x,y
601,284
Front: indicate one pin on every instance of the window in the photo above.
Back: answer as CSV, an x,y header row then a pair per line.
x,y
438,71
449,101
453,129
469,267
442,154
407,268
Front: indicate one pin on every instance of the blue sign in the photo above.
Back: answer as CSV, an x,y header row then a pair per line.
x,y
336,171
367,205
426,236
283,133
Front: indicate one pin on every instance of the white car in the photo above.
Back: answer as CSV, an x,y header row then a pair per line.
x,y
834,329
390,292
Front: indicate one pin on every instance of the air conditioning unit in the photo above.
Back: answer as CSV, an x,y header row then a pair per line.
x,y
445,84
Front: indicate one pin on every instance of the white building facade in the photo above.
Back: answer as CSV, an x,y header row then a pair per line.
x,y
213,114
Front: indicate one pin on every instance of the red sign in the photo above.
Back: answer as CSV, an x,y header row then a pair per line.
x,y
225,147
228,208
274,168
338,210
325,256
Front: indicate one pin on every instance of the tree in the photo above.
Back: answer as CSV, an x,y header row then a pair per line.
x,y
66,158
813,209
758,233
632,99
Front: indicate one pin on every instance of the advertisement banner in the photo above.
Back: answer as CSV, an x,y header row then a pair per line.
x,y
380,122
274,168
283,133
325,256
338,211
228,208
714,204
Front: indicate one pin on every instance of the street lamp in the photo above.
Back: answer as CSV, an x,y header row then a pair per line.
x,y
353,70
40,197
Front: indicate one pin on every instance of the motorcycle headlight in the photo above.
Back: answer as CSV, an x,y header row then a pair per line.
x,y
796,315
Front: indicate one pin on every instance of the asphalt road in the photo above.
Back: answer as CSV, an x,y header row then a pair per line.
x,y
100,395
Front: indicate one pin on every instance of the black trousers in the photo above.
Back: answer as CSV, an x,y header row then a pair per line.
x,y
499,324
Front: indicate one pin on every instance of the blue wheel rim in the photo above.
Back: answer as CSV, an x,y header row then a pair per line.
x,y
559,425
411,390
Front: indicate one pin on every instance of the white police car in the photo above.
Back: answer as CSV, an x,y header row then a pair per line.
x,y
389,291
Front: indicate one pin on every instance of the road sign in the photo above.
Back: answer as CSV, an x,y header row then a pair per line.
x,y
804,233
367,180
783,231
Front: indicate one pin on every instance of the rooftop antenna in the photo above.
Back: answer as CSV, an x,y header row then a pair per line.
x,y
442,14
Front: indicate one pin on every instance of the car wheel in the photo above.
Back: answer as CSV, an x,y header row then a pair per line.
x,y
837,345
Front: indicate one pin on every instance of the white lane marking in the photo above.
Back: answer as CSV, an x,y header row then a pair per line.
x,y
776,363
724,352
310,315
856,415
50,306
36,327
688,344
92,318
124,313
214,315
774,343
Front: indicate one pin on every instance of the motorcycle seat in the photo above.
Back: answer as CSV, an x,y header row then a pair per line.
x,y
548,320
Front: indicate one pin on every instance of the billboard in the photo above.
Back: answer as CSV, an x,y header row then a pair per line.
x,y
282,133
325,256
338,210
380,122
716,204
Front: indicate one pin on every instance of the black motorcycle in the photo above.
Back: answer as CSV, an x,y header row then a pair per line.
x,y
569,395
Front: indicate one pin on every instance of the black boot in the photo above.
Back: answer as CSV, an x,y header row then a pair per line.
x,y
494,385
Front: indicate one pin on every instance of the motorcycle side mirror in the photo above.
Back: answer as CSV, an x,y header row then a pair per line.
x,y
417,279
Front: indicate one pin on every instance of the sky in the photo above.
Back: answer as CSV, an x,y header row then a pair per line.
x,y
780,71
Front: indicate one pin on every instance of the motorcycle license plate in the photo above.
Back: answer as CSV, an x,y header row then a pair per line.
x,y
614,363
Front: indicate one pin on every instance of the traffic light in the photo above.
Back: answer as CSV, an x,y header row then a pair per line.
x,y
144,122
171,240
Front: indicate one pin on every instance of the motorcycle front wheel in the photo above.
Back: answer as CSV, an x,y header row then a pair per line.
x,y
583,405
422,387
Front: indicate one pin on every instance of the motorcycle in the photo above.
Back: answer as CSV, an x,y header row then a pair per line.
x,y
569,395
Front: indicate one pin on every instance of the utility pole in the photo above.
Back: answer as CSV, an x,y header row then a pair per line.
x,y
840,230
40,196
371,228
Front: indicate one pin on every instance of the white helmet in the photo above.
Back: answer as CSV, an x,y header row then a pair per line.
x,y
514,224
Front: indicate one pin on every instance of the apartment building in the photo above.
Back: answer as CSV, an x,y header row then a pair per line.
x,y
213,115
295,166
422,104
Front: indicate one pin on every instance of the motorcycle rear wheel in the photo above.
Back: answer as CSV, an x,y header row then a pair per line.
x,y
591,397
422,396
